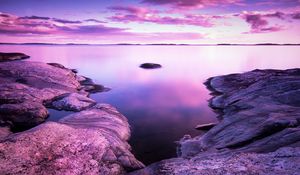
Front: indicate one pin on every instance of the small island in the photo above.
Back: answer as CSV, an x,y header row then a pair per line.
x,y
150,66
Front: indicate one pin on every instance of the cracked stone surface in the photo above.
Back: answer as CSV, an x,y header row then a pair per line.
x,y
258,132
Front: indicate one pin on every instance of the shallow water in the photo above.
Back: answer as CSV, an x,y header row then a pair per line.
x,y
162,104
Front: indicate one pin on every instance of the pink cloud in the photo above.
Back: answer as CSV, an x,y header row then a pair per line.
x,y
143,15
10,24
192,3
36,28
279,15
170,36
259,24
131,9
296,15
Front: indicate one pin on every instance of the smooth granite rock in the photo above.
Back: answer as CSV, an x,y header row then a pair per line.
x,y
72,102
27,87
93,141
12,56
258,132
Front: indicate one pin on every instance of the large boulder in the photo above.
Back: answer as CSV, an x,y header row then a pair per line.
x,y
27,87
93,141
258,132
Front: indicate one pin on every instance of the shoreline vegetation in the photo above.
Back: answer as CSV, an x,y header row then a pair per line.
x,y
258,130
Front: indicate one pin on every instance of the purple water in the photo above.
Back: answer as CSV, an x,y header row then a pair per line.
x,y
162,104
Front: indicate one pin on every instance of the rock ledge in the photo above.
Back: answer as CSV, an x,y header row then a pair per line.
x,y
258,132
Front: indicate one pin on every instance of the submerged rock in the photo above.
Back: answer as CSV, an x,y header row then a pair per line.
x,y
93,141
259,130
88,85
150,66
12,56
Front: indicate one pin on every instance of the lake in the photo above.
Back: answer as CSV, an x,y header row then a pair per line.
x,y
163,104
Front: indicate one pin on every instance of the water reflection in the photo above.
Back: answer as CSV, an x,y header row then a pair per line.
x,y
163,104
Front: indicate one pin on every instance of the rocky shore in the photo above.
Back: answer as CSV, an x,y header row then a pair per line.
x,y
258,132
91,141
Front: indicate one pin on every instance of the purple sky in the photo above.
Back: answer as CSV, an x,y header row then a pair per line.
x,y
150,21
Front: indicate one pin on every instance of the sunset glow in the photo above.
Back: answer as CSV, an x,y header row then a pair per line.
x,y
150,21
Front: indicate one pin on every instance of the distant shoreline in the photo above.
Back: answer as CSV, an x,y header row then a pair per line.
x,y
162,44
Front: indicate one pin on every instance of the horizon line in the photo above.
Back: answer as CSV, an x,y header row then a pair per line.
x,y
151,44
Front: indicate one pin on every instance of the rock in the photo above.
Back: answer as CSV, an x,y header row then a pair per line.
x,y
57,65
207,126
26,87
12,56
4,132
150,66
257,107
258,132
72,102
23,115
89,86
283,161
93,141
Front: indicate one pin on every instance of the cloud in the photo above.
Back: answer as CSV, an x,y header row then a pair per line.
x,y
143,15
35,17
94,20
10,24
91,30
259,24
296,15
192,3
4,15
130,9
279,15
170,36
66,21
35,27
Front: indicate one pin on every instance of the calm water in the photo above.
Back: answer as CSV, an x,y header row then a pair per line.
x,y
163,104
